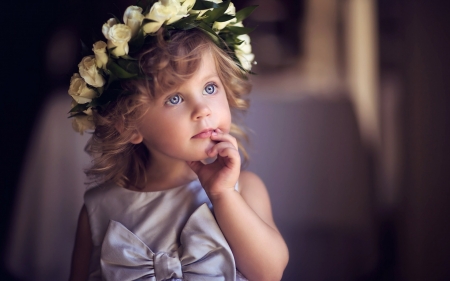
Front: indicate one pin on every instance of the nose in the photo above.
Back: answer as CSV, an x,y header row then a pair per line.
x,y
201,110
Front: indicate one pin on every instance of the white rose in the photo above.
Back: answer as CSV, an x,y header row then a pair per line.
x,y
81,123
107,26
244,51
79,90
245,46
118,36
161,12
133,18
245,59
88,70
101,57
183,12
231,10
87,111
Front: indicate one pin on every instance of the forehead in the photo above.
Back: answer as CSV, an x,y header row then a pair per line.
x,y
205,69
207,65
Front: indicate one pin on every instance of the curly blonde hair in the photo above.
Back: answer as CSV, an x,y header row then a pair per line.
x,y
168,63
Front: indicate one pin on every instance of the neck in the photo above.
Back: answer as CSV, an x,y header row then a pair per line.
x,y
165,173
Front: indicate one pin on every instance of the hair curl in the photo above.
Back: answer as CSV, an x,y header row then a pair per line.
x,y
168,62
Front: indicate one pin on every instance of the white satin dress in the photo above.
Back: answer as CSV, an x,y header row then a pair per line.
x,y
156,236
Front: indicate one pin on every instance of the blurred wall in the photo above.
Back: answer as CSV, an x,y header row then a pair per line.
x,y
424,212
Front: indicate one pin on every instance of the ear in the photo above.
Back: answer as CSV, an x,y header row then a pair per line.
x,y
136,137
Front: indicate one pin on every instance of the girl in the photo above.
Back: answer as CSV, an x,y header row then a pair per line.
x,y
150,216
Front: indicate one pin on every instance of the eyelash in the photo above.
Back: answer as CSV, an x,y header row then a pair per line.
x,y
172,104
180,99
208,85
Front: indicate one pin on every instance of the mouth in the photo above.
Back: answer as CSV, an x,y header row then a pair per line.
x,y
205,134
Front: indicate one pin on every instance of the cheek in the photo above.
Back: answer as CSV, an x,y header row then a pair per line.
x,y
226,113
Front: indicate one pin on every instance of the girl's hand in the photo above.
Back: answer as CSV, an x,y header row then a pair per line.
x,y
222,175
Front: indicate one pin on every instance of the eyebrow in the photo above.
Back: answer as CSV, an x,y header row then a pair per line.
x,y
208,77
205,78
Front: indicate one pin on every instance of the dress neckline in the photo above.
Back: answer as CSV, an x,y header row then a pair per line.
x,y
157,191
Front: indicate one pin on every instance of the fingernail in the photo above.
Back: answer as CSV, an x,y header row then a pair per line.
x,y
214,133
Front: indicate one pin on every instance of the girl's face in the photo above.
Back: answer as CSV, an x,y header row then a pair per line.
x,y
178,124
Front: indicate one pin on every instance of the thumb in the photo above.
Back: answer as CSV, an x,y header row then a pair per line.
x,y
196,166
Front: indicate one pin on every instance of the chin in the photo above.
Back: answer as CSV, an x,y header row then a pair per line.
x,y
208,160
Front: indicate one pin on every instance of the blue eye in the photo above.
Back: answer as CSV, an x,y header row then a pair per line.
x,y
174,100
210,89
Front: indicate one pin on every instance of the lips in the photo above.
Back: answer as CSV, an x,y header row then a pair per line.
x,y
205,134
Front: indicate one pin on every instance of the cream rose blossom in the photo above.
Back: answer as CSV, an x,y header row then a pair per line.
x,y
231,10
118,36
79,90
133,18
183,12
101,57
245,46
244,52
161,12
88,70
81,123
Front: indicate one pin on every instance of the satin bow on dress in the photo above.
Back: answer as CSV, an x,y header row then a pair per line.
x,y
204,254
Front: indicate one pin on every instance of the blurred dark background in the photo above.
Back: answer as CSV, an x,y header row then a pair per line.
x,y
350,124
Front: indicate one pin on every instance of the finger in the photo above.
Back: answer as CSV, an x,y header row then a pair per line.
x,y
218,146
195,166
219,135
230,156
224,149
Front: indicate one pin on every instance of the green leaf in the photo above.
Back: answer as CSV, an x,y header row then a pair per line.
x,y
230,40
111,79
130,66
111,55
185,23
213,15
108,96
79,108
119,71
244,13
237,30
137,42
208,30
148,5
99,91
225,18
203,5
128,57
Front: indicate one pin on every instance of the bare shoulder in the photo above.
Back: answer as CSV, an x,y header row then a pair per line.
x,y
254,192
252,188
249,181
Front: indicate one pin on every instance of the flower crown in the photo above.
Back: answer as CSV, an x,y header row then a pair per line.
x,y
96,83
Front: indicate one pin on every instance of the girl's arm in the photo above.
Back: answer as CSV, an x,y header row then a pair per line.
x,y
245,218
247,223
82,249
